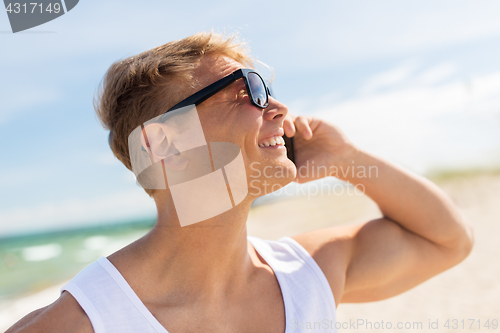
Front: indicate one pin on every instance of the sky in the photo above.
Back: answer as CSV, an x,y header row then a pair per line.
x,y
415,82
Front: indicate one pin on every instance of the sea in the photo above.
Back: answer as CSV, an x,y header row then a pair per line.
x,y
31,263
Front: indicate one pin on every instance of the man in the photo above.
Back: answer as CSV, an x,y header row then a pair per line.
x,y
207,276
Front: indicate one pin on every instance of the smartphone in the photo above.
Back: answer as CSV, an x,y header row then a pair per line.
x,y
290,150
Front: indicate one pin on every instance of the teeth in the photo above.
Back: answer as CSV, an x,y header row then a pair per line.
x,y
276,140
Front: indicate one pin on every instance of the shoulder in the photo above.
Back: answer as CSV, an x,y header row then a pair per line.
x,y
64,315
331,248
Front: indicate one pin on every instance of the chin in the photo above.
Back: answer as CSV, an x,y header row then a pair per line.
x,y
269,176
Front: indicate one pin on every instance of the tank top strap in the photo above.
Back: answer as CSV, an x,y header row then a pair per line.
x,y
109,301
309,301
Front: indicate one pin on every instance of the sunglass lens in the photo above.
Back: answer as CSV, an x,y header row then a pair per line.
x,y
270,91
258,89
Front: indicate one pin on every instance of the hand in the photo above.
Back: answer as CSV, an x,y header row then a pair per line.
x,y
319,145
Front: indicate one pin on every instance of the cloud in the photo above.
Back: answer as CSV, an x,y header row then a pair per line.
x,y
327,33
423,125
22,176
389,78
437,73
125,205
359,30
115,28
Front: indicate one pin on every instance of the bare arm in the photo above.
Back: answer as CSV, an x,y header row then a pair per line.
x,y
420,235
64,315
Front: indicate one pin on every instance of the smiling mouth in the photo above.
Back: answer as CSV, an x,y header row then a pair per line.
x,y
272,141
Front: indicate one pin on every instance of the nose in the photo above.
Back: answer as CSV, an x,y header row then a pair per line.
x,y
275,110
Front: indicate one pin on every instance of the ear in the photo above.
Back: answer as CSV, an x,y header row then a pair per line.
x,y
155,141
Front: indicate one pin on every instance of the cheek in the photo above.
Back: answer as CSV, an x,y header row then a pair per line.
x,y
245,128
209,124
251,136
240,126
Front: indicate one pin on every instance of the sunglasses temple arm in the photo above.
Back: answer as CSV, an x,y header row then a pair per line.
x,y
207,92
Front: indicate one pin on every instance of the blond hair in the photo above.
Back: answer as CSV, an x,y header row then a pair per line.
x,y
139,88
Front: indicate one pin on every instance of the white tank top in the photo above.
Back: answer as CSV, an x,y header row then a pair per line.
x,y
113,307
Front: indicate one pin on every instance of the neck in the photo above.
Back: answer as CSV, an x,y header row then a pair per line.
x,y
206,259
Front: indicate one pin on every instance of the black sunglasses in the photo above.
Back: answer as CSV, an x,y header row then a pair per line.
x,y
257,89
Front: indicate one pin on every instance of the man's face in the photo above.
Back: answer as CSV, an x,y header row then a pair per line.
x,y
229,116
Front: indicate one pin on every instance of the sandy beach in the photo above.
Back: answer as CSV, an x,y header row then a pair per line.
x,y
467,296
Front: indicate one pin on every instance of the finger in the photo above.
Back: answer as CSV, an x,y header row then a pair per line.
x,y
289,127
303,127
